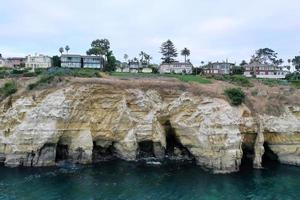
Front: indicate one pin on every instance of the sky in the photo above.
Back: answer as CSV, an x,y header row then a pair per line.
x,y
213,30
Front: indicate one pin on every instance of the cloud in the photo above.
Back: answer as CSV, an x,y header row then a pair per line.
x,y
233,29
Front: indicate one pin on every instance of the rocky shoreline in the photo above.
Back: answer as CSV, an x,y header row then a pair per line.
x,y
90,123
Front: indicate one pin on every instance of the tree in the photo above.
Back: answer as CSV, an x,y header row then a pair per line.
x,y
243,63
147,58
125,57
67,48
237,70
61,50
111,62
100,48
168,51
266,56
142,55
56,61
185,52
202,62
296,62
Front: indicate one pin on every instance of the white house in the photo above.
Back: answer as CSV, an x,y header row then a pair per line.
x,y
38,61
176,67
265,71
218,68
95,62
2,61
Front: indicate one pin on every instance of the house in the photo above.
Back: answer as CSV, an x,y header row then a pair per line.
x,y
135,67
2,61
78,61
95,62
147,70
176,67
38,61
15,62
70,61
265,71
218,68
124,67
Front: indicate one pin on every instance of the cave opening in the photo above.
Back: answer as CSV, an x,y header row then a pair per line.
x,y
103,151
248,156
62,152
269,158
145,149
174,148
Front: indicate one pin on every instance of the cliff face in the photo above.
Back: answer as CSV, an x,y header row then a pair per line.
x,y
91,123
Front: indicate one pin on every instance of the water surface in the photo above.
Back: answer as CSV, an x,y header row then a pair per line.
x,y
123,180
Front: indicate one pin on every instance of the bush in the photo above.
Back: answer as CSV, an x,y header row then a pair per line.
x,y
44,80
8,89
241,81
235,95
236,70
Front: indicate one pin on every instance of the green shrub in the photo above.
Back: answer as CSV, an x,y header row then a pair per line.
x,y
8,89
44,80
241,80
235,95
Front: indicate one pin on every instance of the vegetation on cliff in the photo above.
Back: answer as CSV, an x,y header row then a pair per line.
x,y
8,89
235,95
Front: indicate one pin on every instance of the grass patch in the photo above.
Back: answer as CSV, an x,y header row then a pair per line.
x,y
44,80
8,89
239,80
274,82
295,83
183,78
235,95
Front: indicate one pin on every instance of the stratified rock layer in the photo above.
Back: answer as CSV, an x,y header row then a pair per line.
x,y
85,123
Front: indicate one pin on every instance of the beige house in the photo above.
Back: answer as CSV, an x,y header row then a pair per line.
x,y
176,68
38,61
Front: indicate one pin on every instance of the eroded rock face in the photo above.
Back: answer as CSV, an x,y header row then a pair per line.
x,y
90,123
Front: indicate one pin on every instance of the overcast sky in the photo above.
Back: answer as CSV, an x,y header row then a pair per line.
x,y
214,30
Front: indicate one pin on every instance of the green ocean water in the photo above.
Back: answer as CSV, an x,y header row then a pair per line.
x,y
118,180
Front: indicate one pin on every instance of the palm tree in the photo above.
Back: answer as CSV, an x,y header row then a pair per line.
x,y
148,58
202,62
142,54
185,52
67,48
61,50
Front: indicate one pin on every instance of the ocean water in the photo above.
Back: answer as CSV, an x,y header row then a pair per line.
x,y
118,180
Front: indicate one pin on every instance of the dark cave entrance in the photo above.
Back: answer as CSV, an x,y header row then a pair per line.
x,y
103,151
269,159
248,156
62,152
145,149
174,148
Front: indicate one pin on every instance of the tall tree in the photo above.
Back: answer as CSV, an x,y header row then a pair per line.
x,y
100,48
296,62
185,52
61,50
168,51
243,63
125,57
56,61
148,58
111,62
266,56
142,55
67,48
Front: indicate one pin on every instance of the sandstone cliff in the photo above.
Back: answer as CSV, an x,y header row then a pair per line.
x,y
85,123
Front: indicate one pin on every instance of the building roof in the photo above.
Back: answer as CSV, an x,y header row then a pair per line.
x,y
70,55
177,63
